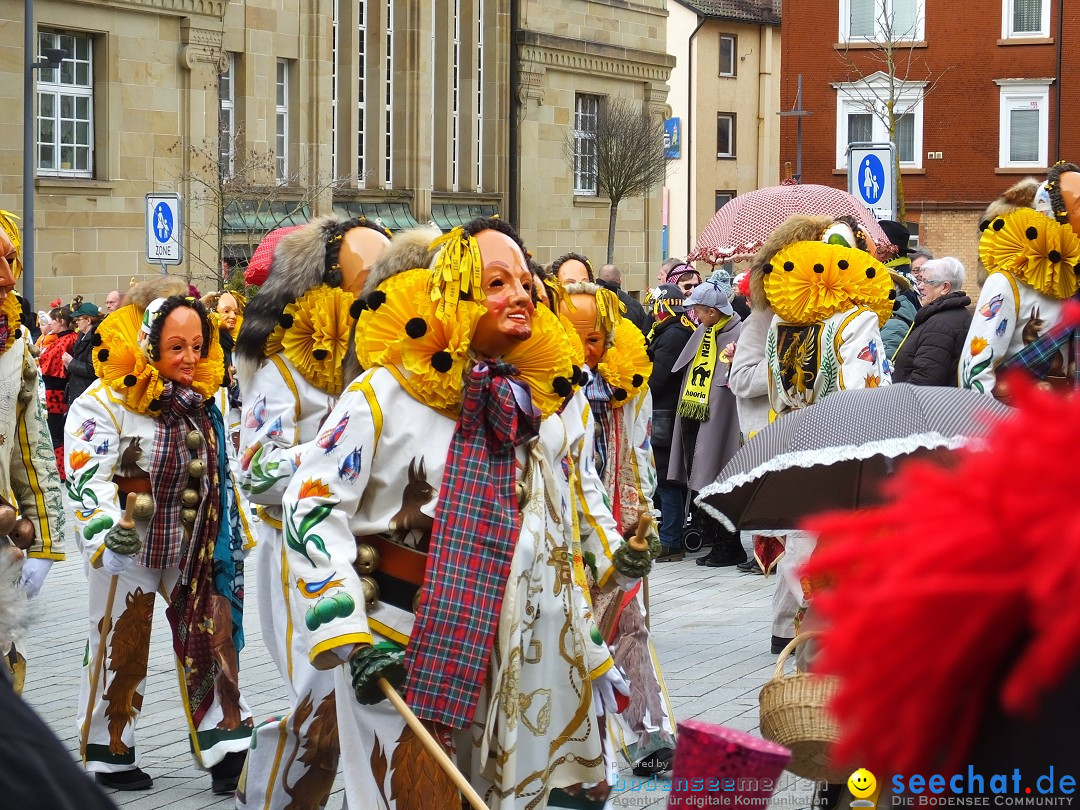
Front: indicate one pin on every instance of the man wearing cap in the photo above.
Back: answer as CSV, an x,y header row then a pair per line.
x,y
707,422
79,360
666,341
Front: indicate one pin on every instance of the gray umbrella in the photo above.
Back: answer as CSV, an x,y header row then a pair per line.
x,y
835,454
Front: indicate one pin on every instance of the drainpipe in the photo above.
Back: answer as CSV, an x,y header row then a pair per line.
x,y
689,139
515,104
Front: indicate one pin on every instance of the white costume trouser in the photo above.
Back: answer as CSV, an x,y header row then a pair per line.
x,y
120,685
293,758
788,597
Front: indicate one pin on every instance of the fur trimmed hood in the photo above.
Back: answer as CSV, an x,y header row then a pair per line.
x,y
157,287
796,228
1020,195
408,250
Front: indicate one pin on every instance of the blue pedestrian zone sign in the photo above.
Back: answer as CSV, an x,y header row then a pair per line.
x,y
871,177
163,229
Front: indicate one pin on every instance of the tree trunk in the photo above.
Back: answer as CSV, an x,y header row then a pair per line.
x,y
613,213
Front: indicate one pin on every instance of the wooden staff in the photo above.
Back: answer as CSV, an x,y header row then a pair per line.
x,y
126,522
636,542
432,745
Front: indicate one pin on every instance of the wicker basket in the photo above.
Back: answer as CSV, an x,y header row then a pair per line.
x,y
793,715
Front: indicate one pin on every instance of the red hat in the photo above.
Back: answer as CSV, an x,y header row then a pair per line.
x,y
259,266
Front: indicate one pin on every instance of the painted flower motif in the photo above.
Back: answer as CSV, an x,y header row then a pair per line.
x,y
78,459
872,381
314,488
977,345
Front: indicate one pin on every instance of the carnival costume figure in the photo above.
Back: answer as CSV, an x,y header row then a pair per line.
x,y
34,522
147,436
290,354
1030,248
432,511
619,420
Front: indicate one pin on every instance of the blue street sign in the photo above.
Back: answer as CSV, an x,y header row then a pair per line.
x,y
163,229
871,179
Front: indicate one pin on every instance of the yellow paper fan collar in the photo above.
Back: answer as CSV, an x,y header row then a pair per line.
x,y
626,366
808,282
313,335
545,362
1039,251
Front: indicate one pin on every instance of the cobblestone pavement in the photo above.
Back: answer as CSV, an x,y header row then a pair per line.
x,y
710,629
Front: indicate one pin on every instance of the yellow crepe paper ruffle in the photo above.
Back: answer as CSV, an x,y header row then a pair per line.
x,y
577,348
13,309
318,337
1039,251
545,362
808,282
626,365
125,368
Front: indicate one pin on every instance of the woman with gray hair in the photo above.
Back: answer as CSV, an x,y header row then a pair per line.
x,y
930,353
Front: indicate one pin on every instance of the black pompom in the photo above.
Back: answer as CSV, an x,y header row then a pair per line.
x,y
637,380
892,294
984,225
376,299
95,340
285,320
442,361
619,394
767,268
18,333
103,355
819,268
155,404
415,328
578,376
1054,256
870,272
789,266
1032,232
357,306
130,380
895,306
320,354
562,386
999,223
842,264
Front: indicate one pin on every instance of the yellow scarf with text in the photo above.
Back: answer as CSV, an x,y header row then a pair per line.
x,y
695,396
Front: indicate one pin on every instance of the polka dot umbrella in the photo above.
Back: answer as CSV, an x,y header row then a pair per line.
x,y
741,226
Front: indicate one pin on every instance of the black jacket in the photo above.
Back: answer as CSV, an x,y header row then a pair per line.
x,y
667,344
80,371
635,312
931,353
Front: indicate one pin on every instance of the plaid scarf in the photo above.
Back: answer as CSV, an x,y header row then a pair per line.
x,y
598,392
1037,358
472,545
611,454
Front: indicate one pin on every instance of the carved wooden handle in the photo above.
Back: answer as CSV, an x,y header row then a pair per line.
x,y
638,541
128,520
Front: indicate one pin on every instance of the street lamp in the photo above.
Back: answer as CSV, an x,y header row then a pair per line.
x,y
52,60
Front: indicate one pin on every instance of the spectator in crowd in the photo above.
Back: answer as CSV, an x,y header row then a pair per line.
x,y
79,360
684,277
29,319
54,375
905,307
665,268
930,355
113,301
920,255
611,277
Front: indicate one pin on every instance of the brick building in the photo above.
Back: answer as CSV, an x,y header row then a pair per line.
x,y
983,99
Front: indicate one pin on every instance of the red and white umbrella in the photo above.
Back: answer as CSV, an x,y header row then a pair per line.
x,y
741,226
259,266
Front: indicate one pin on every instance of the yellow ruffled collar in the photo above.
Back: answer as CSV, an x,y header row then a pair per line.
x,y
1037,250
121,363
626,366
809,282
313,335
13,310
401,329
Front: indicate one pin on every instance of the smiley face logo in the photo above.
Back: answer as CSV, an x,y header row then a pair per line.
x,y
862,784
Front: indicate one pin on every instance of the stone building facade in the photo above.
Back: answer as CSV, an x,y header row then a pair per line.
x,y
572,55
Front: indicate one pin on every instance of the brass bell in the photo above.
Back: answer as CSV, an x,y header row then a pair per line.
x,y
194,440
196,468
371,592
190,497
144,506
367,558
187,516
416,600
522,494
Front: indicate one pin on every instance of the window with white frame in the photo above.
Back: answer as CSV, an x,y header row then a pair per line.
x,y
586,111
281,142
725,135
1024,125
861,117
361,91
65,108
227,118
480,96
1025,18
728,49
388,141
455,109
882,20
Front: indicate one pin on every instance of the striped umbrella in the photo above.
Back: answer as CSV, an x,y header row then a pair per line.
x,y
836,453
742,225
